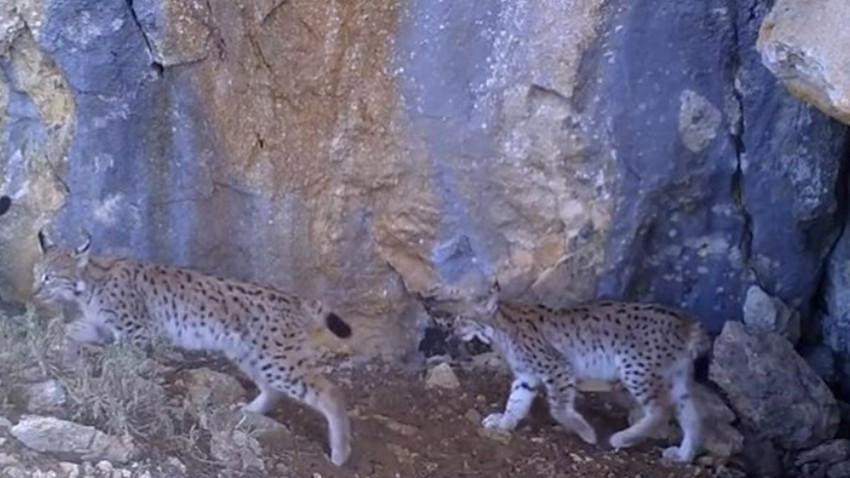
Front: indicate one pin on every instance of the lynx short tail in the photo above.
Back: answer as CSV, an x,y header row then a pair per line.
x,y
337,325
5,204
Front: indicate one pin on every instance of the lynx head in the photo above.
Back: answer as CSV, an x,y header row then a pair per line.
x,y
469,316
58,273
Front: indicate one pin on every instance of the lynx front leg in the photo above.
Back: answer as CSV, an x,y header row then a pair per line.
x,y
82,332
561,391
523,391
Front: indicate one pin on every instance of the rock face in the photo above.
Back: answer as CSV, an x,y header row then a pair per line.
x,y
834,317
772,389
350,150
803,43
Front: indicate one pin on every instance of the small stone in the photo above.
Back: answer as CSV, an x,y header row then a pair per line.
x,y
70,470
442,376
402,454
473,416
396,426
498,435
205,386
487,360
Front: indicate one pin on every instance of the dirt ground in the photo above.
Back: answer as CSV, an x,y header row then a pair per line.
x,y
402,429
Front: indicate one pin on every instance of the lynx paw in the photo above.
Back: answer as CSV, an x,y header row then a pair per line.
x,y
497,421
340,456
588,435
677,455
620,440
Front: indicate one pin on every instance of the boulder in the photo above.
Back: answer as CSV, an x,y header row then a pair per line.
x,y
803,44
772,389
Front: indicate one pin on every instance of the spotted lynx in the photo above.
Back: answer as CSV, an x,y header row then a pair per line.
x,y
262,330
650,349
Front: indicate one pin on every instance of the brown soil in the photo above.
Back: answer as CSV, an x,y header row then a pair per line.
x,y
402,429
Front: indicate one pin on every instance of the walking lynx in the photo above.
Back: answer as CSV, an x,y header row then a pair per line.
x,y
262,330
650,349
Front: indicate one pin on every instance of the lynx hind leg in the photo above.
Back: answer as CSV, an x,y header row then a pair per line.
x,y
647,388
561,394
687,414
276,380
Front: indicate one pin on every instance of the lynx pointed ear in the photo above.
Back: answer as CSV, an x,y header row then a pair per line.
x,y
495,288
84,248
82,252
44,243
490,302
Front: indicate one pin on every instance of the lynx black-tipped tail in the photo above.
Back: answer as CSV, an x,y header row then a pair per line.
x,y
339,327
5,204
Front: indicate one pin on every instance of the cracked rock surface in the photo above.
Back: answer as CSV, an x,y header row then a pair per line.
x,y
350,150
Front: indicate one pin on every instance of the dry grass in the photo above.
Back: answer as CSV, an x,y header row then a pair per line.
x,y
116,388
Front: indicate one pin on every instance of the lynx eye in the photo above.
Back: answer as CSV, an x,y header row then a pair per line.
x,y
45,278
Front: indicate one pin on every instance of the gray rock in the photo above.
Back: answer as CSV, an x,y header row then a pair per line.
x,y
763,312
839,470
827,453
442,376
71,440
720,438
772,389
43,397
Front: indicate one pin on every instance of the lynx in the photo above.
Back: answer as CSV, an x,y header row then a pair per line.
x,y
648,348
262,330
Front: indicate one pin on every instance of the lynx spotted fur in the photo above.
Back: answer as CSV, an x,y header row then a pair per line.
x,y
260,329
649,349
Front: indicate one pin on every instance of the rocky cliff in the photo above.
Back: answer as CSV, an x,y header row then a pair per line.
x,y
363,150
